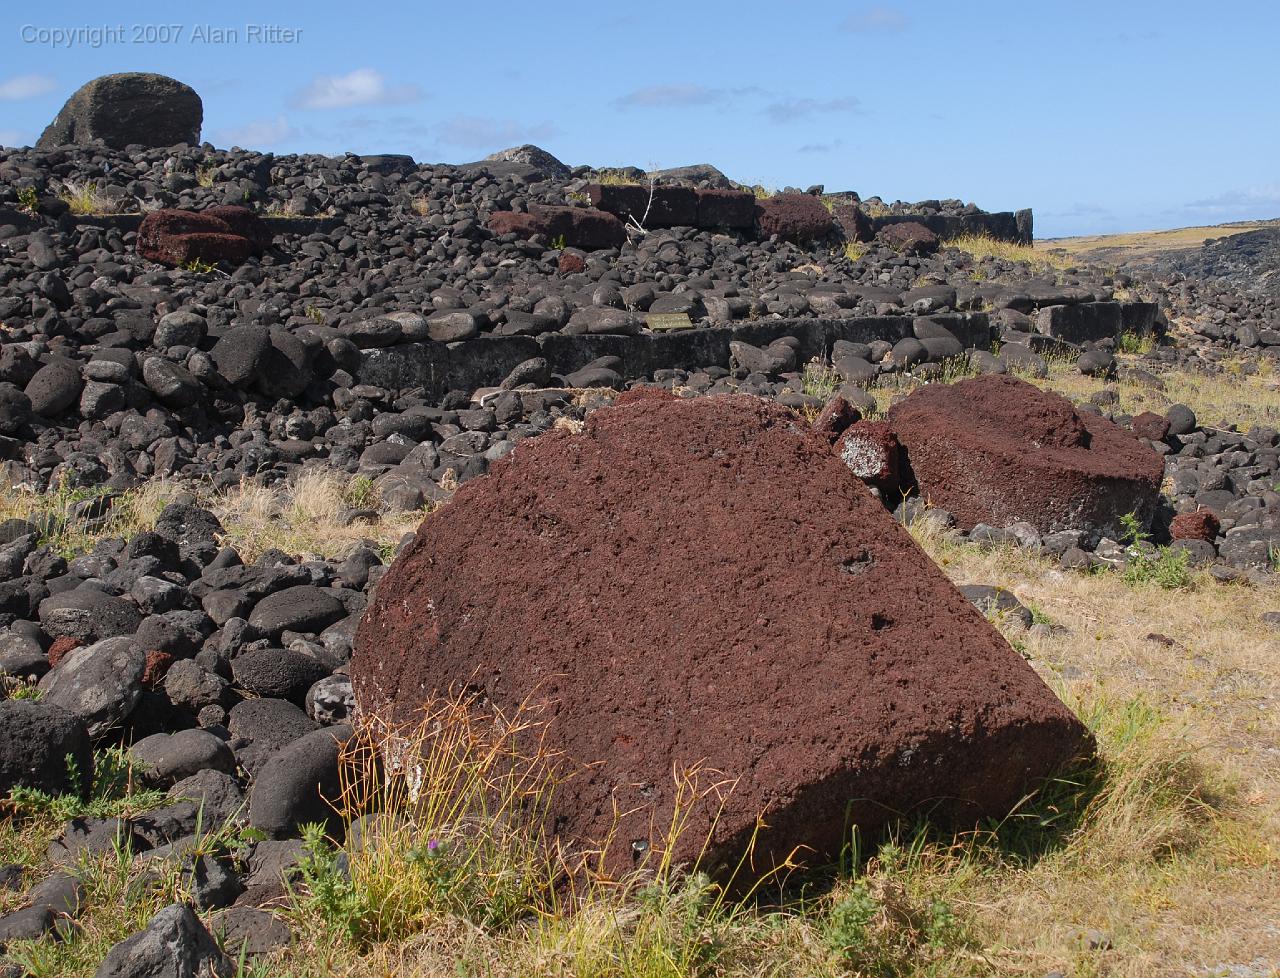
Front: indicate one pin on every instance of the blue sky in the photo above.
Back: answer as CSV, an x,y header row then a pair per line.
x,y
1113,116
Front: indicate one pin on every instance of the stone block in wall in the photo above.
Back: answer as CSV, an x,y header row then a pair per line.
x,y
1024,223
1080,323
855,223
439,368
588,228
972,329
726,209
1138,317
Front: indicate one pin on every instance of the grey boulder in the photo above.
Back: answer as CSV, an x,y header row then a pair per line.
x,y
99,683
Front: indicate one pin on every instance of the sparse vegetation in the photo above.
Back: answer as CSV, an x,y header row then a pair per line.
x,y
28,199
1167,568
1158,822
84,198
820,380
1136,344
206,175
855,250
199,266
983,246
610,177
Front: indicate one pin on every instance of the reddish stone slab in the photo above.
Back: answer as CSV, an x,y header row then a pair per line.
x,y
909,237
219,234
801,218
998,450
703,581
581,227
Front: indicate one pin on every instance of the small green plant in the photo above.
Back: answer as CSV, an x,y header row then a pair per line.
x,y
361,493
1136,344
206,174
558,243
578,196
315,314
199,266
28,199
24,691
1038,616
1132,530
1167,568
114,793
820,380
856,250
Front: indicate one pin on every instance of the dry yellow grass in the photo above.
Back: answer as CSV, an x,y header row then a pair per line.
x,y
982,246
84,197
306,517
1214,897
1234,397
1116,249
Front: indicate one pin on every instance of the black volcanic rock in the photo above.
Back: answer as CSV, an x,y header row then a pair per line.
x,y
128,108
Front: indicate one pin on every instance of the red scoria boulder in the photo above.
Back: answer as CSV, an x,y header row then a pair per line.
x,y
581,227
998,450
870,450
1199,525
800,218
854,221
909,237
1150,425
218,235
754,609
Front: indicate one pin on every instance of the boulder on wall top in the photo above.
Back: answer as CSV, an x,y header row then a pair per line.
x,y
125,109
839,678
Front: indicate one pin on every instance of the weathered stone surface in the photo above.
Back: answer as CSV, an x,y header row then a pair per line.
x,y
220,234
997,450
801,218
1199,525
581,227
909,237
127,108
1082,322
36,739
99,683
845,680
726,209
173,945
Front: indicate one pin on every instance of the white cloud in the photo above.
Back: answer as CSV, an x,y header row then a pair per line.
x,y
25,86
680,96
1263,195
466,130
791,109
880,19
364,86
830,147
257,134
